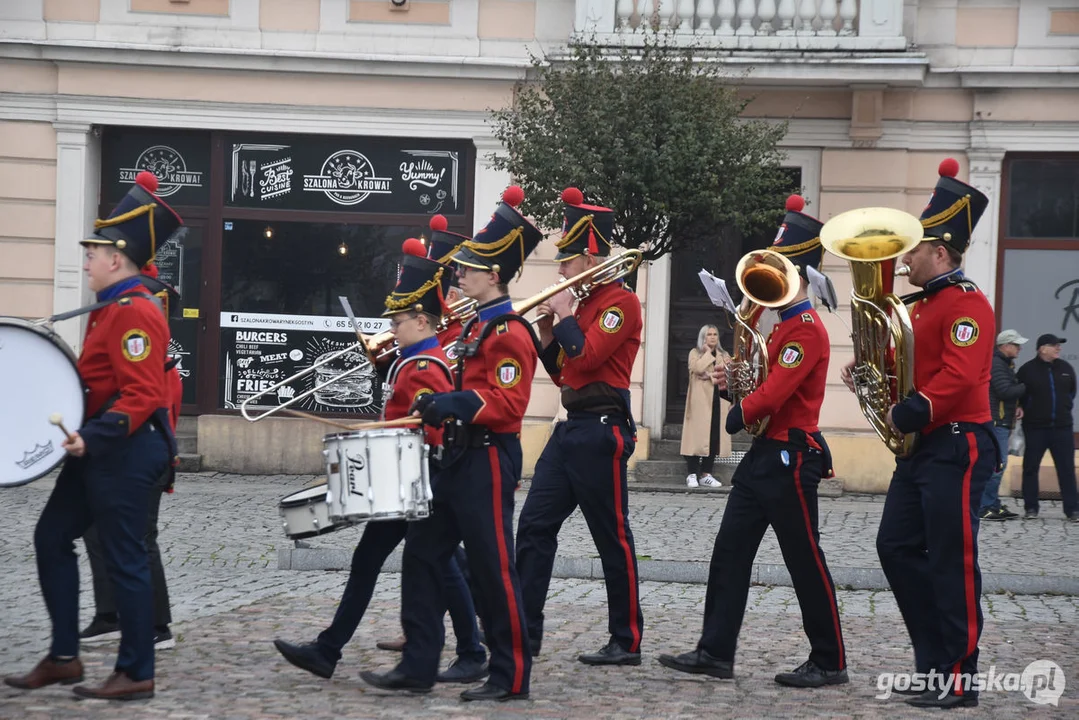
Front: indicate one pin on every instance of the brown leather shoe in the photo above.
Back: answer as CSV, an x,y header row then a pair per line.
x,y
118,687
392,645
47,672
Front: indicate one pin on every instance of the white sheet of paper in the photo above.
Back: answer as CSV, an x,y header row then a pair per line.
x,y
822,288
717,291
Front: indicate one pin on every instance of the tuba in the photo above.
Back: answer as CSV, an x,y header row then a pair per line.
x,y
870,240
767,279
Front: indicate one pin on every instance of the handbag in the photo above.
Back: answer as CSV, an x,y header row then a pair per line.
x,y
1017,442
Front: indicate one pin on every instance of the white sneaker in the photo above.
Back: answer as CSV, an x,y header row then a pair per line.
x,y
691,480
708,481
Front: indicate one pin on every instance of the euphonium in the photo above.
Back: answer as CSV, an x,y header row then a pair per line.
x,y
767,279
870,240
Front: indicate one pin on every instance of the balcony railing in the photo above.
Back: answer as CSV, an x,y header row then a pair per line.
x,y
792,25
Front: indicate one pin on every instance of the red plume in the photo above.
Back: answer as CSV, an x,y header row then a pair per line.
x,y
147,181
150,269
513,195
572,196
439,223
414,246
949,167
795,203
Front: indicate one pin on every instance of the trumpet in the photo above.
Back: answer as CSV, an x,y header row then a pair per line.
x,y
382,345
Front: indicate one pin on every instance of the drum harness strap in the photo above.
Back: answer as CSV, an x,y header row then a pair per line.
x,y
459,434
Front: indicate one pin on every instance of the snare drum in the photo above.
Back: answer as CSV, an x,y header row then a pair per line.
x,y
306,514
40,378
378,475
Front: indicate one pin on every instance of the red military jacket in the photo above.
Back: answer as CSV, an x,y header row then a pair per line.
x,y
447,338
793,392
411,378
600,342
954,336
501,371
123,357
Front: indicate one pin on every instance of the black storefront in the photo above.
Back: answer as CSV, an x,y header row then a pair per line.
x,y
278,227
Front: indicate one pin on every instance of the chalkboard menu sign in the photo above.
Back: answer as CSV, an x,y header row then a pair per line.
x,y
260,350
342,173
180,160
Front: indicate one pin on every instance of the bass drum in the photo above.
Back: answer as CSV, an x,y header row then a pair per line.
x,y
40,378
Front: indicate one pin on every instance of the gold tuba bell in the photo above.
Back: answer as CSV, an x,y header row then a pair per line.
x,y
871,239
767,279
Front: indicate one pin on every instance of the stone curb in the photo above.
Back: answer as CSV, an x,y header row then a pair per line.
x,y
695,572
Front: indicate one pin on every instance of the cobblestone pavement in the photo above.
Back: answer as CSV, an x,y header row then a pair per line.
x,y
220,537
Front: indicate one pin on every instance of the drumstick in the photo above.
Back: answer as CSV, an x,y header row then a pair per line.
x,y
400,422
58,420
309,416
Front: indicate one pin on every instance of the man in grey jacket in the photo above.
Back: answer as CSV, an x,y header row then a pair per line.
x,y
1005,391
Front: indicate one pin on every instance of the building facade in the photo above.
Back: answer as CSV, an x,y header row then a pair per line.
x,y
303,140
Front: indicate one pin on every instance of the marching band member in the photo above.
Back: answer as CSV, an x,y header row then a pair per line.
x,y
928,536
414,308
776,485
123,447
482,459
589,354
441,248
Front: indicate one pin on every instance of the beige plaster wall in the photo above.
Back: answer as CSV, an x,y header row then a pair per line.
x,y
228,443
186,7
27,218
72,10
289,15
420,12
507,20
284,88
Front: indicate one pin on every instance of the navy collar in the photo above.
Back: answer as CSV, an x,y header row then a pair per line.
x,y
798,309
949,278
494,308
119,288
416,348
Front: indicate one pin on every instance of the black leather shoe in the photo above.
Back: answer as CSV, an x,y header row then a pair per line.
x,y
699,662
932,699
611,654
306,657
395,680
487,691
464,671
811,675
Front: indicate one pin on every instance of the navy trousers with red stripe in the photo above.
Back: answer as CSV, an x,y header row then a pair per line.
x,y
928,544
775,485
584,464
473,503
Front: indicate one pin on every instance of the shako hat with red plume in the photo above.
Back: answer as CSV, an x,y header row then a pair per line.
x,y
799,236
422,284
505,243
953,209
443,244
140,223
586,229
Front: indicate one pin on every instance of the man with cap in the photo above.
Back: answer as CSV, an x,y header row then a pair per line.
x,y
482,458
589,354
123,446
441,248
414,307
928,535
775,485
1048,424
1005,391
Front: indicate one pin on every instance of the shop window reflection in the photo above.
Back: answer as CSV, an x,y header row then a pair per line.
x,y
297,268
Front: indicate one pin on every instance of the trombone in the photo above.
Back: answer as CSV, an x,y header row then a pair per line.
x,y
382,345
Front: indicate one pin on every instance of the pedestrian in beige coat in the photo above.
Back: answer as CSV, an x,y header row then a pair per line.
x,y
702,438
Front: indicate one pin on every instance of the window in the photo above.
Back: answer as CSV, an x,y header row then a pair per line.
x,y
1043,198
